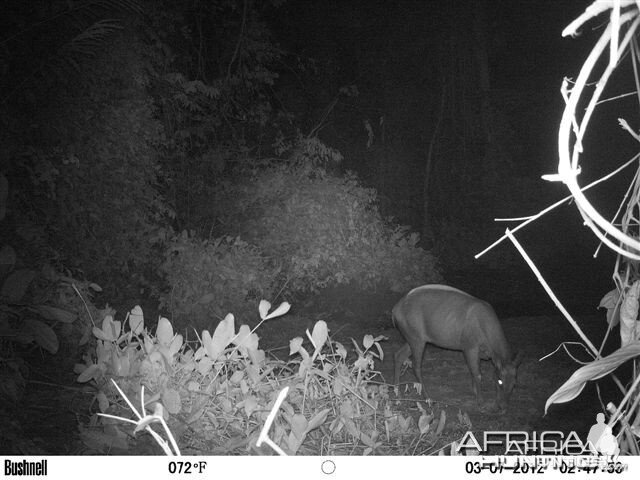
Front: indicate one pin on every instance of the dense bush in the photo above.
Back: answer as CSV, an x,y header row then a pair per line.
x,y
89,183
42,310
208,279
326,230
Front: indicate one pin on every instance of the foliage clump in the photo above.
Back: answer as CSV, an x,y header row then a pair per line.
x,y
222,395
90,182
208,279
326,230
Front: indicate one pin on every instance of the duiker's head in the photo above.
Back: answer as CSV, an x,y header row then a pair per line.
x,y
506,380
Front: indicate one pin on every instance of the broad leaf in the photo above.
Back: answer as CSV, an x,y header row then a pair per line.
x,y
318,419
245,340
319,335
629,314
55,314
43,334
171,400
164,332
295,345
225,331
110,329
609,301
136,320
16,284
263,309
90,373
103,401
593,371
299,425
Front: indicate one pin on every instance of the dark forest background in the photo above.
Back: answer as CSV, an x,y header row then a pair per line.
x,y
202,154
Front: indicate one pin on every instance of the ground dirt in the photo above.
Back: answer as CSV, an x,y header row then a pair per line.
x,y
351,315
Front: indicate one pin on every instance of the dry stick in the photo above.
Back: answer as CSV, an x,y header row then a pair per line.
x,y
634,185
616,278
240,38
634,63
557,302
429,166
624,201
616,309
264,433
85,303
568,163
592,11
323,118
618,412
551,207
281,290
549,292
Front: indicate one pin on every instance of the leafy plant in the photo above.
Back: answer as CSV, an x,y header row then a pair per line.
x,y
35,307
222,390
208,279
161,364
